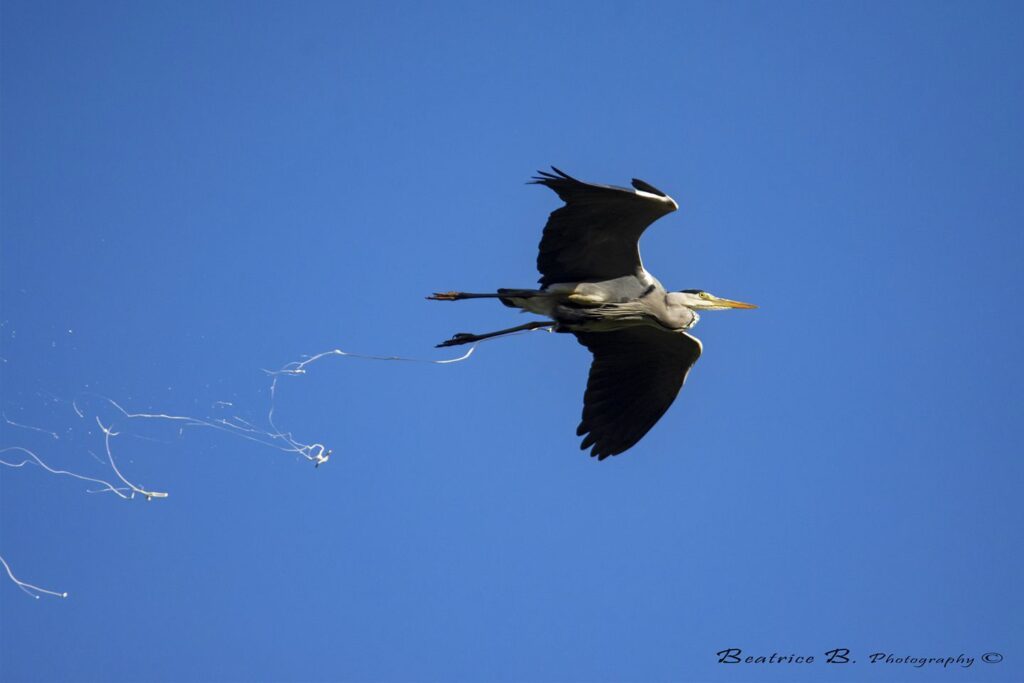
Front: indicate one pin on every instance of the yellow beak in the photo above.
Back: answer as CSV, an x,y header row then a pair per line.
x,y
729,303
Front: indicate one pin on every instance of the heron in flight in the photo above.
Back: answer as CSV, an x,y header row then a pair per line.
x,y
594,285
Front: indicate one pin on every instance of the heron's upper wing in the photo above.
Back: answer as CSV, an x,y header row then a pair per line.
x,y
636,374
594,236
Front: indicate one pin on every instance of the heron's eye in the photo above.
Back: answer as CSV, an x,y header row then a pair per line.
x,y
705,295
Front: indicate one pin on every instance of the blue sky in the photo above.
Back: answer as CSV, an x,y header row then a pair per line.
x,y
194,192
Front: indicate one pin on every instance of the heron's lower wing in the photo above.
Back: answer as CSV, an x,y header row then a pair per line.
x,y
595,235
636,375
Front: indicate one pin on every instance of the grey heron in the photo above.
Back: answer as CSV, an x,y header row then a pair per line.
x,y
594,285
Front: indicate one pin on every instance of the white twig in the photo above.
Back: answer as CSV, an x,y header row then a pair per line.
x,y
318,453
35,591
34,429
107,433
36,460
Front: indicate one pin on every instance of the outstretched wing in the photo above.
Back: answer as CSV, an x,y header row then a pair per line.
x,y
636,375
594,236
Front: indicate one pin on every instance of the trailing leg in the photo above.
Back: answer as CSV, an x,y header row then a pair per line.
x,y
466,338
500,294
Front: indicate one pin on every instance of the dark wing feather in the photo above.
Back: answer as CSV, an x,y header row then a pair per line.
x,y
595,235
636,375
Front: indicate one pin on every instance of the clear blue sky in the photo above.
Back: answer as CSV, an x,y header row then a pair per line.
x,y
192,192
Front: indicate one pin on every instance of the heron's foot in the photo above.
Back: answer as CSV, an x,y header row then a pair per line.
x,y
457,339
445,296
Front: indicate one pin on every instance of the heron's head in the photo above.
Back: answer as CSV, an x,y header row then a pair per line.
x,y
699,300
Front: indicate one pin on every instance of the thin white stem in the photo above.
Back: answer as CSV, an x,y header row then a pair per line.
x,y
318,453
107,433
34,591
36,460
34,429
